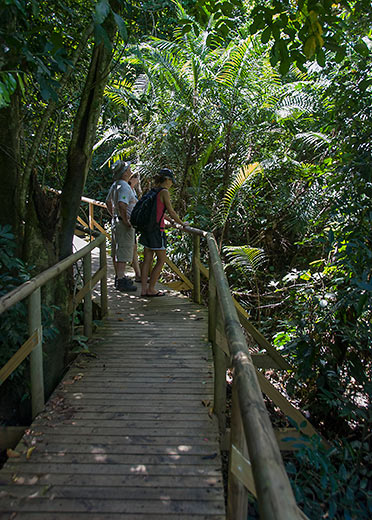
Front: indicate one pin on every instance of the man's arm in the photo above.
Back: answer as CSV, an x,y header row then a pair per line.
x,y
123,213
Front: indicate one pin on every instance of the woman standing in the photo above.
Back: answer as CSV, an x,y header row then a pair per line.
x,y
155,242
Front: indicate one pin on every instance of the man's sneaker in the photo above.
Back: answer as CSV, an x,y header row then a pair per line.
x,y
125,285
116,281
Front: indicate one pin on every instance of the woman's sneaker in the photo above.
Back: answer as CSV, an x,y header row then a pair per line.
x,y
124,285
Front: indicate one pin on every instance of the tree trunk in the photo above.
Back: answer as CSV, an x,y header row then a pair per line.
x,y
83,137
10,125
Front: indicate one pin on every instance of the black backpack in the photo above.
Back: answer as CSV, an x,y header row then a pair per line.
x,y
143,216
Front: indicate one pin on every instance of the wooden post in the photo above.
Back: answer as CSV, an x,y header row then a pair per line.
x,y
103,264
36,356
91,218
195,268
88,306
237,494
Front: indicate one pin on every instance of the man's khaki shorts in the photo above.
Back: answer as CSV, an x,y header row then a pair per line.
x,y
123,238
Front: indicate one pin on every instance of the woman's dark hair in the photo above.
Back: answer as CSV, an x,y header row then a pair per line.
x,y
160,178
164,174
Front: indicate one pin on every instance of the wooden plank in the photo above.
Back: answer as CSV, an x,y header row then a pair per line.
x,y
242,469
110,516
265,361
286,407
117,447
132,424
26,476
82,222
20,355
100,228
178,286
98,468
98,505
204,271
65,457
187,441
179,273
290,439
112,493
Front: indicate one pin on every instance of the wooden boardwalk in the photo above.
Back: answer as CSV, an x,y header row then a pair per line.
x,y
128,433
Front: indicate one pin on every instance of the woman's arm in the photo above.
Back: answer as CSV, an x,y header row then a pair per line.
x,y
165,198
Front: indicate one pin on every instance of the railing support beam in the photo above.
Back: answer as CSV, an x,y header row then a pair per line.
x,y
88,305
103,265
36,356
237,494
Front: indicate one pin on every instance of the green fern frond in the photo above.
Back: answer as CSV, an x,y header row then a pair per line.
x,y
314,140
239,180
246,258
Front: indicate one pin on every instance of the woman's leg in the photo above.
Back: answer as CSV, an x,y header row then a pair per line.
x,y
155,273
135,263
148,255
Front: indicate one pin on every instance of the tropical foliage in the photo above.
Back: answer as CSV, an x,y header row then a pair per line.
x,y
263,110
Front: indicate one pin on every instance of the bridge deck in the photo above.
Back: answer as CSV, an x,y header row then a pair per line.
x,y
128,433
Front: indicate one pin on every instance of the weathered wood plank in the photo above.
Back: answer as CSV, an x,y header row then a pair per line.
x,y
109,493
77,445
28,478
66,505
169,470
109,516
100,457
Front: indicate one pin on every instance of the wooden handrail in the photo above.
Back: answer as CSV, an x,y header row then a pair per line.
x,y
274,492
31,290
24,290
255,460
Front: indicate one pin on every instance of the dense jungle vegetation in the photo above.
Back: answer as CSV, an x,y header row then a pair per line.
x,y
263,109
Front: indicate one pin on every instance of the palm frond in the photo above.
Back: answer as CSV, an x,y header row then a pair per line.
x,y
314,140
238,181
246,258
293,106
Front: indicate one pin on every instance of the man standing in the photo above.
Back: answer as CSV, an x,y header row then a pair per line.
x,y
123,235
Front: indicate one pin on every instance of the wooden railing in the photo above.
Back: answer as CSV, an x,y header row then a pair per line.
x,y
92,223
32,291
255,462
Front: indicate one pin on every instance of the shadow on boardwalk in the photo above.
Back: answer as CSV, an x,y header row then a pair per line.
x,y
128,433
